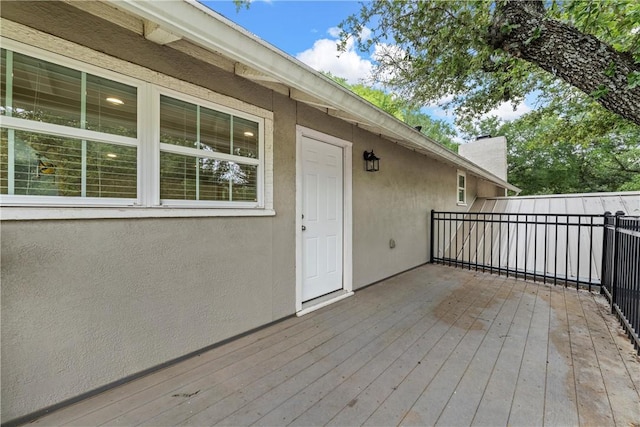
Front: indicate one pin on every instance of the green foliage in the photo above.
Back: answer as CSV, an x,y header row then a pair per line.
x,y
381,99
571,144
439,50
577,147
600,92
430,49
436,48
633,80
491,125
438,130
616,22
242,3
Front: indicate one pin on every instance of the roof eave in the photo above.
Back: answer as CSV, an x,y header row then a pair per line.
x,y
202,26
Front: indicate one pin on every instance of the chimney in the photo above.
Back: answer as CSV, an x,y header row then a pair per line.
x,y
489,153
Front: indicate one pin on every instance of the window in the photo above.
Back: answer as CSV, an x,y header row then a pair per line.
x,y
207,155
461,188
65,133
75,135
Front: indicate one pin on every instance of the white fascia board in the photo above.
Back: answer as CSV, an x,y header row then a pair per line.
x,y
210,30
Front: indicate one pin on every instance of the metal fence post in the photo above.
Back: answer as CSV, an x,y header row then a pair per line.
x,y
614,262
433,212
604,271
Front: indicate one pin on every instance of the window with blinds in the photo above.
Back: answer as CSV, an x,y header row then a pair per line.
x,y
72,134
58,156
206,154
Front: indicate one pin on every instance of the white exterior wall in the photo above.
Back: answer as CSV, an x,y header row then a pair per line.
x,y
88,302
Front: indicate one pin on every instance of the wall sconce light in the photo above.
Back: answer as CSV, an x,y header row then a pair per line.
x,y
371,162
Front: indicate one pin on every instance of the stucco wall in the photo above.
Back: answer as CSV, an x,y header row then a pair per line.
x,y
85,303
393,203
88,302
487,189
488,153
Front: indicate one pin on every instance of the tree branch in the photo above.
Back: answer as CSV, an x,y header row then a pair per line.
x,y
522,30
624,167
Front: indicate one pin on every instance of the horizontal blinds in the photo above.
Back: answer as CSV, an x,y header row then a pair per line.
x,y
53,166
191,178
51,93
193,126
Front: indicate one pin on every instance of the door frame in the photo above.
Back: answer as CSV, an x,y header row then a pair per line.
x,y
347,213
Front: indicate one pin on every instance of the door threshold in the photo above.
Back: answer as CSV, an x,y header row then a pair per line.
x,y
323,301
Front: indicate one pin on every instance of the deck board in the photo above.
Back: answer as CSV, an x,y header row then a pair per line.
x,y
560,394
372,357
593,409
433,346
462,405
529,395
431,403
265,373
623,394
496,401
403,396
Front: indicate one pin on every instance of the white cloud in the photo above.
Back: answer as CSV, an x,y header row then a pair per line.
x,y
334,32
458,139
365,34
390,51
324,56
386,54
506,111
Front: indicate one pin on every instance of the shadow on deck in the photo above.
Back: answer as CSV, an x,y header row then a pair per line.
x,y
435,345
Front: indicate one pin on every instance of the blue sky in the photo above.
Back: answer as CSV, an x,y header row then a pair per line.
x,y
307,30
292,26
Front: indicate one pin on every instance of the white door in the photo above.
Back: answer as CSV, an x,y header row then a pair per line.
x,y
322,216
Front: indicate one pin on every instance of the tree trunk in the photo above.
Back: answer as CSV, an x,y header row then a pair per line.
x,y
521,29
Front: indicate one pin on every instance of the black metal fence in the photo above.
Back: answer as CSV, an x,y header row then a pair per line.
x,y
601,251
555,248
621,270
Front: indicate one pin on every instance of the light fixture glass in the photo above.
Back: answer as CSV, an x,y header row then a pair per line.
x,y
371,161
115,101
113,156
247,133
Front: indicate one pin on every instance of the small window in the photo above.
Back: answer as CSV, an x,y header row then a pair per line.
x,y
462,188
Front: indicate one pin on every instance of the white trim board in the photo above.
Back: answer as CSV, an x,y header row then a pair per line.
x,y
347,249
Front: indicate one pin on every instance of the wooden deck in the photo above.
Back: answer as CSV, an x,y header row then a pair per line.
x,y
433,346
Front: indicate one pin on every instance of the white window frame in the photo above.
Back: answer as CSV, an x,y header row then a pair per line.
x,y
13,124
149,85
463,188
192,152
